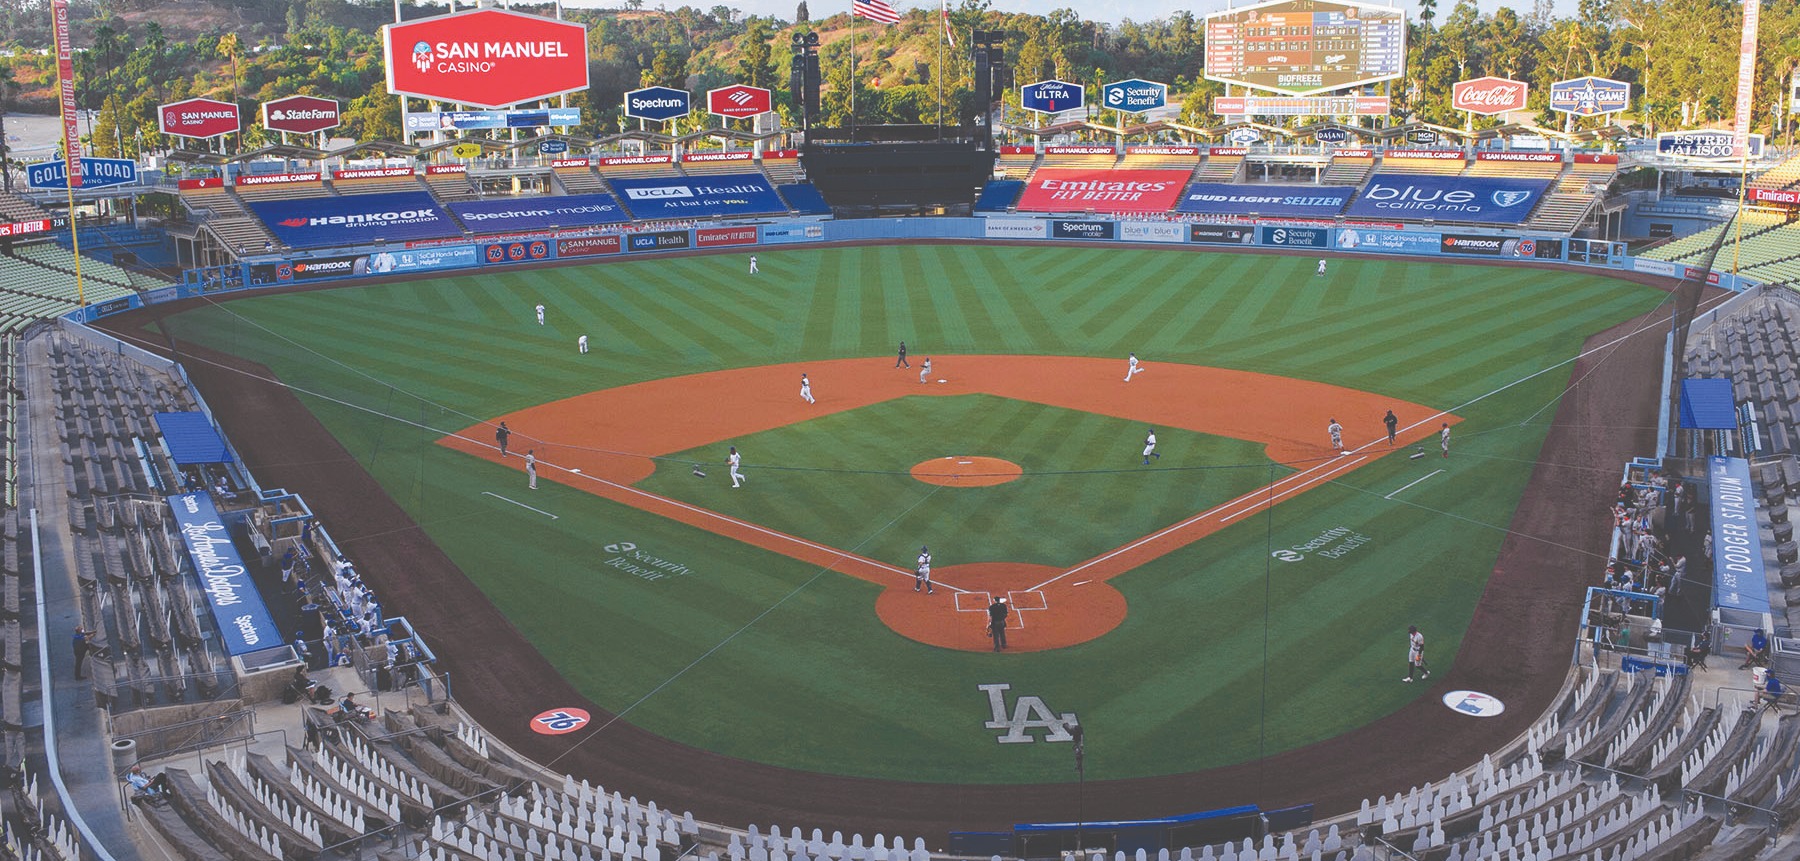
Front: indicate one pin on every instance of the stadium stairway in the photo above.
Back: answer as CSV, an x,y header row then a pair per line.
x,y
1221,168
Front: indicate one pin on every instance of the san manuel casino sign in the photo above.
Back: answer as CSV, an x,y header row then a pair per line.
x,y
488,58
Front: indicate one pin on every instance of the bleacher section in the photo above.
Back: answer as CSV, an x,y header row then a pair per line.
x,y
1348,170
1768,249
1569,200
580,180
449,186
1783,175
1754,347
1016,163
30,291
93,272
1693,247
1077,160
235,227
16,208
1221,167
784,170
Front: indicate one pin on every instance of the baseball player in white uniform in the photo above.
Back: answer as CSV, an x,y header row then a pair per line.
x,y
581,343
925,370
806,389
1337,435
1444,438
1133,369
753,269
531,467
1321,267
540,310
922,574
1150,448
735,460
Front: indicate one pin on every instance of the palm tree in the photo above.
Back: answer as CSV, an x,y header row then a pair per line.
x,y
229,47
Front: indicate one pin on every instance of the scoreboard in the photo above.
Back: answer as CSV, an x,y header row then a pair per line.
x,y
1303,47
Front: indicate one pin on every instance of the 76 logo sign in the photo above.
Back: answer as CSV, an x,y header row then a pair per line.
x,y
560,721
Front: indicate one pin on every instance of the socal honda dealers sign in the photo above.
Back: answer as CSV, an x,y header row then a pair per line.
x,y
300,114
738,101
1071,190
490,58
1488,96
198,118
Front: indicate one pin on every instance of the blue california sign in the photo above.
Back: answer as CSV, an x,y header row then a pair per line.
x,y
95,173
658,103
1134,96
1049,97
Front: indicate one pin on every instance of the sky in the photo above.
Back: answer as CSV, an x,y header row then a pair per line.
x,y
1111,11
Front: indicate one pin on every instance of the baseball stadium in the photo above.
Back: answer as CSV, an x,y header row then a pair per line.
x,y
1278,465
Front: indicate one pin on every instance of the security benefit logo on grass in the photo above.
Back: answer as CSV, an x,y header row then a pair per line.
x,y
1333,543
1029,714
627,557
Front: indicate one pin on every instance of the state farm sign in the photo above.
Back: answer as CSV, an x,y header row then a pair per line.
x,y
300,114
738,101
1488,96
198,118
490,58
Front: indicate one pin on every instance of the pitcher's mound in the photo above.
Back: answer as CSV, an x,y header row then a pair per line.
x,y
967,471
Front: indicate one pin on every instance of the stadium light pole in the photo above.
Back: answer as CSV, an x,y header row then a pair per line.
x,y
1075,729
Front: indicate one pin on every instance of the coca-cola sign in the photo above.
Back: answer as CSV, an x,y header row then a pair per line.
x,y
1488,96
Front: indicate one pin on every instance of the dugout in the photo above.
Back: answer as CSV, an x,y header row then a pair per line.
x,y
1060,839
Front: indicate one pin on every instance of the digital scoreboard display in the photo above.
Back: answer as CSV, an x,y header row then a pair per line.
x,y
1303,47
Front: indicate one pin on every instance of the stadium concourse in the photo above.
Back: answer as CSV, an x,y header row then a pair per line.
x,y
325,724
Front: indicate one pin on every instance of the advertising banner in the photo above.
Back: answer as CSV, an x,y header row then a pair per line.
x,y
1081,149
423,259
1151,231
434,121
1738,579
1314,201
1331,135
1015,228
1789,197
636,159
579,162
779,233
244,623
26,228
523,251
489,58
95,173
1438,154
716,237
1163,150
1484,246
300,114
588,246
437,169
1746,82
739,101
1705,145
198,118
1491,199
1653,267
276,178
1049,97
658,103
1543,157
314,268
538,213
742,155
698,196
1302,106
194,184
1084,229
371,172
666,240
1222,234
1134,95
553,147
355,219
1489,96
1590,96
1394,241
65,90
1076,190
1304,237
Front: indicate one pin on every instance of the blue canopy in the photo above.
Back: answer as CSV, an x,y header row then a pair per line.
x,y
1707,404
191,438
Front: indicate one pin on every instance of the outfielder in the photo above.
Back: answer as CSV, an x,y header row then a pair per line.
x,y
1415,654
735,460
1133,370
922,574
925,370
1321,266
540,312
531,468
581,344
806,389
1150,448
753,269
1444,438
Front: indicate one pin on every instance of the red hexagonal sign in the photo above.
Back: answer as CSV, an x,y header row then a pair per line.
x,y
198,118
488,58
738,101
300,114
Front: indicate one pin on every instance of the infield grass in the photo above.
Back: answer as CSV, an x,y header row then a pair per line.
x,y
1226,654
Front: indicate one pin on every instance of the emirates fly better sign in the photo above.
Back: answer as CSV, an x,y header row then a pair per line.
x,y
489,58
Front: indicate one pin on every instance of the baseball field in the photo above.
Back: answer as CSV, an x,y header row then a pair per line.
x,y
1245,594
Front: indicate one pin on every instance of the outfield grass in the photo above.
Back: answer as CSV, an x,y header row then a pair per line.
x,y
1226,655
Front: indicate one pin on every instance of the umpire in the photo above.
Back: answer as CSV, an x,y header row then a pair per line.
x,y
997,623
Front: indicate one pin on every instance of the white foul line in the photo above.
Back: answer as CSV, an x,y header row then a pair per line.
x,y
1260,501
520,504
1413,482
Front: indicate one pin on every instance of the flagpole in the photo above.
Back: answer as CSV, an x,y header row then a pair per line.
x,y
853,77
943,22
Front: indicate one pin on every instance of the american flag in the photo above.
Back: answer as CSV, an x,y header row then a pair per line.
x,y
875,10
949,31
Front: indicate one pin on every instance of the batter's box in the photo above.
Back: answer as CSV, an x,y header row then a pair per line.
x,y
972,602
1031,599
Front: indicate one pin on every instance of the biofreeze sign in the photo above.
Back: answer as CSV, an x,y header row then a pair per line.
x,y
244,623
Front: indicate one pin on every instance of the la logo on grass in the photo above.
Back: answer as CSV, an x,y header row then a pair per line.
x,y
1028,713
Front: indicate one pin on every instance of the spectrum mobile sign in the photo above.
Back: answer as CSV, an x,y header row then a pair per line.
x,y
198,118
489,58
658,103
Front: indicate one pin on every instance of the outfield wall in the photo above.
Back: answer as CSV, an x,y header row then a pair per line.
x,y
1335,238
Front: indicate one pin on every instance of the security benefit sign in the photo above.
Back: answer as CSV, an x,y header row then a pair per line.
x,y
1491,199
1134,95
538,214
699,196
244,623
1076,190
1301,201
358,219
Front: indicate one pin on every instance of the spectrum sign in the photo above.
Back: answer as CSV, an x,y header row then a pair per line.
x,y
658,103
489,58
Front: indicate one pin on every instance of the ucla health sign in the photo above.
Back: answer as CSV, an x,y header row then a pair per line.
x,y
1493,199
244,622
1314,201
95,173
358,219
1134,96
538,214
698,196
1049,97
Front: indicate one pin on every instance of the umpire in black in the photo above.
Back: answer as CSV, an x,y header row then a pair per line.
x,y
997,623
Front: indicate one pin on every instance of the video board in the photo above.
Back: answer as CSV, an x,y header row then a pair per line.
x,y
1302,47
